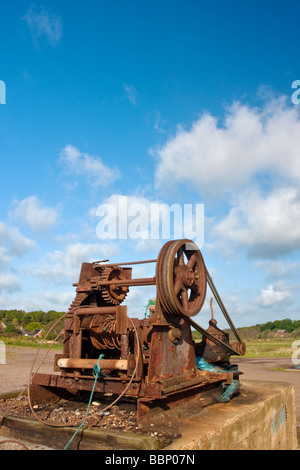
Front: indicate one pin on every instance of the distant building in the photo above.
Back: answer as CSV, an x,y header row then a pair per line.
x,y
279,334
36,333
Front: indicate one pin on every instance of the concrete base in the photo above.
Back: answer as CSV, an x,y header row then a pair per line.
x,y
262,417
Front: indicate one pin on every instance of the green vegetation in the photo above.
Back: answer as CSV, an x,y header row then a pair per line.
x,y
270,348
285,328
12,322
271,339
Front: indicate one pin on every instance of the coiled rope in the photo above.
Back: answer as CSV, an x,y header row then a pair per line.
x,y
32,374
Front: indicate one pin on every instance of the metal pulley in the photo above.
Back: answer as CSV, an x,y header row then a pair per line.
x,y
181,281
181,278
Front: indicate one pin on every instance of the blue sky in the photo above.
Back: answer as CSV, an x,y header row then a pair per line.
x,y
160,102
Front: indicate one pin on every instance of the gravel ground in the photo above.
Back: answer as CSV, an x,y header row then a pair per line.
x,y
15,373
14,376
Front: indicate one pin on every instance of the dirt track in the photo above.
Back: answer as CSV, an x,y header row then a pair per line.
x,y
14,374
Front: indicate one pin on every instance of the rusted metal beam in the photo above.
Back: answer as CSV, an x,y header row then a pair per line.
x,y
215,340
71,363
221,305
94,310
146,281
128,263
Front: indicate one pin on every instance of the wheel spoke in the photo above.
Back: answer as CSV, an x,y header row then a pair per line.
x,y
180,278
177,287
194,292
192,261
180,257
185,299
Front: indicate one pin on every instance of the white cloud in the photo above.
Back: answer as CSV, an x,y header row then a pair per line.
x,y
9,282
86,166
216,158
43,23
4,257
270,296
12,242
131,93
279,270
59,301
37,300
266,225
31,213
63,266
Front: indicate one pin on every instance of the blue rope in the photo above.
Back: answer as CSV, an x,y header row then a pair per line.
x,y
203,365
230,390
96,373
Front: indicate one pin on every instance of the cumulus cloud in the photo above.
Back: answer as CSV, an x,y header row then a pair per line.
x,y
92,168
63,266
266,225
279,270
31,213
9,282
42,23
37,300
12,242
270,296
216,158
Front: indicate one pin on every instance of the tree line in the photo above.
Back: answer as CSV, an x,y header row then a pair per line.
x,y
264,330
12,320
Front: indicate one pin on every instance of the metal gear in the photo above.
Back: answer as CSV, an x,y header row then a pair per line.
x,y
113,294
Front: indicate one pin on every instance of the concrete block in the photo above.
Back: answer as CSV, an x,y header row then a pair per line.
x,y
261,417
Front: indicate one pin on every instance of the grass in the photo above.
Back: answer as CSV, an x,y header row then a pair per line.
x,y
264,347
254,349
271,348
27,342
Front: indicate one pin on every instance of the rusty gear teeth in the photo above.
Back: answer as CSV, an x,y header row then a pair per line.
x,y
111,295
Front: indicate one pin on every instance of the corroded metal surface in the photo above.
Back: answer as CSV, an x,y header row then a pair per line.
x,y
153,358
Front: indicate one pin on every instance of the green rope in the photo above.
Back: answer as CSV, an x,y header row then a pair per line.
x,y
96,373
231,389
229,392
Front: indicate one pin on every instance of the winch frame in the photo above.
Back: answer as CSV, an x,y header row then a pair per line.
x,y
151,360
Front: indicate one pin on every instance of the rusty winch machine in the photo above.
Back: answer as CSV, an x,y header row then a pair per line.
x,y
150,360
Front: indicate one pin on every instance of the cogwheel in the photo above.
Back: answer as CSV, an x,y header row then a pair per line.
x,y
113,294
80,297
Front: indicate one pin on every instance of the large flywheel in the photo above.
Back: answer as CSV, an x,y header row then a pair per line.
x,y
181,278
